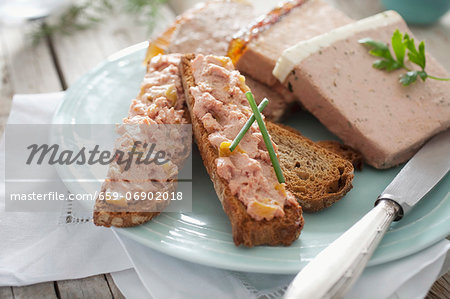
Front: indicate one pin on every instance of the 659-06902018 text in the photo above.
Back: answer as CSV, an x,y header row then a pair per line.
x,y
92,163
104,195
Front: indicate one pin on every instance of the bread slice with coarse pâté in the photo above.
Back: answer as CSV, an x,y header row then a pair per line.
x,y
160,102
245,229
317,177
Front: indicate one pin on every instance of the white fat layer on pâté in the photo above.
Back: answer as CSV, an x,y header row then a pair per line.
x,y
294,55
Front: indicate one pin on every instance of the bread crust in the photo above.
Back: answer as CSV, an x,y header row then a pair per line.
x,y
246,230
339,184
106,214
103,217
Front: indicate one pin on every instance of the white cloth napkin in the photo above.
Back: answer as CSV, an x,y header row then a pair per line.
x,y
38,247
161,276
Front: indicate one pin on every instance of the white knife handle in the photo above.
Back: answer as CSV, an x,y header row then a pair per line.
x,y
336,268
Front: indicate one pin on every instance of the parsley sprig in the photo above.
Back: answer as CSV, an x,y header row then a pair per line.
x,y
403,46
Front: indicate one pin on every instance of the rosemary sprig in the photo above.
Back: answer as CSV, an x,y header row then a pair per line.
x,y
266,137
145,10
74,18
88,14
401,44
247,125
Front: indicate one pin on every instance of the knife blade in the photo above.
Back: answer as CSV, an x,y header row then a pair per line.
x,y
336,268
421,173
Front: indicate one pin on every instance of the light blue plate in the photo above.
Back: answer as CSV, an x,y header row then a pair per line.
x,y
204,236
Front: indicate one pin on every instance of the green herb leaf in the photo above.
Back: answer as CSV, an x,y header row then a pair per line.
x,y
378,49
416,59
414,55
381,49
373,43
408,78
423,75
398,46
400,43
266,137
422,54
247,125
384,64
409,42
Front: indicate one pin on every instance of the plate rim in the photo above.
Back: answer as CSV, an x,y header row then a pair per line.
x,y
440,233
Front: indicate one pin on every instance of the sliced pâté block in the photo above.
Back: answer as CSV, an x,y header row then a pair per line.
x,y
256,49
208,29
333,77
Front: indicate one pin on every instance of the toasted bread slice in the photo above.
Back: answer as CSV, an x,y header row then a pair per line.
x,y
317,177
345,151
144,111
246,230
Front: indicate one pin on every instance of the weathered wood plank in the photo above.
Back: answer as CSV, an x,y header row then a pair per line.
x,y
24,68
6,92
113,288
441,288
80,52
6,293
41,290
31,67
76,54
90,287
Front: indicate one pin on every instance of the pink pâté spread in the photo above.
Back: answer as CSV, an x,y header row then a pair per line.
x,y
161,99
222,107
160,102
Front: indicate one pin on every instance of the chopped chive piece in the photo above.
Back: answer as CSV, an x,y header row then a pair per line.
x,y
265,134
247,125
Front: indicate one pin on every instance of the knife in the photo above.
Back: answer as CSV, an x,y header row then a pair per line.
x,y
336,268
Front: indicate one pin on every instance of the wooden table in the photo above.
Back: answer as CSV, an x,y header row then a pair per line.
x,y
57,62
